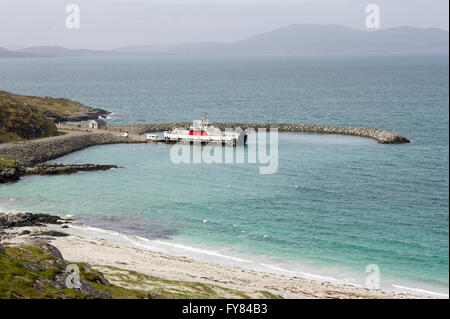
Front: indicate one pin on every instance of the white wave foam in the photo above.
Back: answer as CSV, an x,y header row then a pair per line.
x,y
276,268
185,250
204,251
102,231
305,274
422,291
327,278
136,240
143,238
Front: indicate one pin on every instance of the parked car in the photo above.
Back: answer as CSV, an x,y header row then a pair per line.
x,y
151,137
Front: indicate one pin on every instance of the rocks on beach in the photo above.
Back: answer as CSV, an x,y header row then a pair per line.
x,y
19,227
84,113
9,174
26,219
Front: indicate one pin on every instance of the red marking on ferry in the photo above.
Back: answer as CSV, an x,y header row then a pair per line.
x,y
198,133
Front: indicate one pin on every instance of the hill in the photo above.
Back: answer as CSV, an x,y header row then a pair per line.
x,y
28,117
4,53
306,39
57,109
296,39
19,121
335,39
57,51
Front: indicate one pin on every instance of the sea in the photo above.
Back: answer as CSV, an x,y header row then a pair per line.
x,y
338,208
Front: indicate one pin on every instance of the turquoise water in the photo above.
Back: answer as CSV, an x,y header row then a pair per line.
x,y
336,203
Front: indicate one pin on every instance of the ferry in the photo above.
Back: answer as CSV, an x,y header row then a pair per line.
x,y
202,132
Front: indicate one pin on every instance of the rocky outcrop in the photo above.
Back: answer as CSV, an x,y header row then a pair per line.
x,y
57,169
46,274
381,136
9,174
26,219
84,113
46,271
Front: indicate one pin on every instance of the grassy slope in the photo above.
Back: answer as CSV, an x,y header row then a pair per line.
x,y
18,281
58,106
19,121
173,289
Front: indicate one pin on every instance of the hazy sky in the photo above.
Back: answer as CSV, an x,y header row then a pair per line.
x,y
106,24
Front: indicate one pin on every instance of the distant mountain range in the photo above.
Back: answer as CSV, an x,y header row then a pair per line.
x,y
50,51
297,39
4,53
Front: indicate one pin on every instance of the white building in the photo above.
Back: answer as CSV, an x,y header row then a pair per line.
x,y
97,124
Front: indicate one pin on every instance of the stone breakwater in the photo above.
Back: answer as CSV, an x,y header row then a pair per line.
x,y
38,151
27,154
30,157
381,136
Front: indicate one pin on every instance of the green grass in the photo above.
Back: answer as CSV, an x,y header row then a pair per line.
x,y
175,289
19,281
20,120
7,162
9,137
58,106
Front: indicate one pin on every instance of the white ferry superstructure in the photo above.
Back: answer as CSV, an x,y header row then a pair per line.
x,y
202,132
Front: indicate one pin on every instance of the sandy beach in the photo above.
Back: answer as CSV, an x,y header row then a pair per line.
x,y
103,254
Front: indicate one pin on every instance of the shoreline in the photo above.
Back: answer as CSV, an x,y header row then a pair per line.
x,y
96,250
42,150
246,262
102,253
